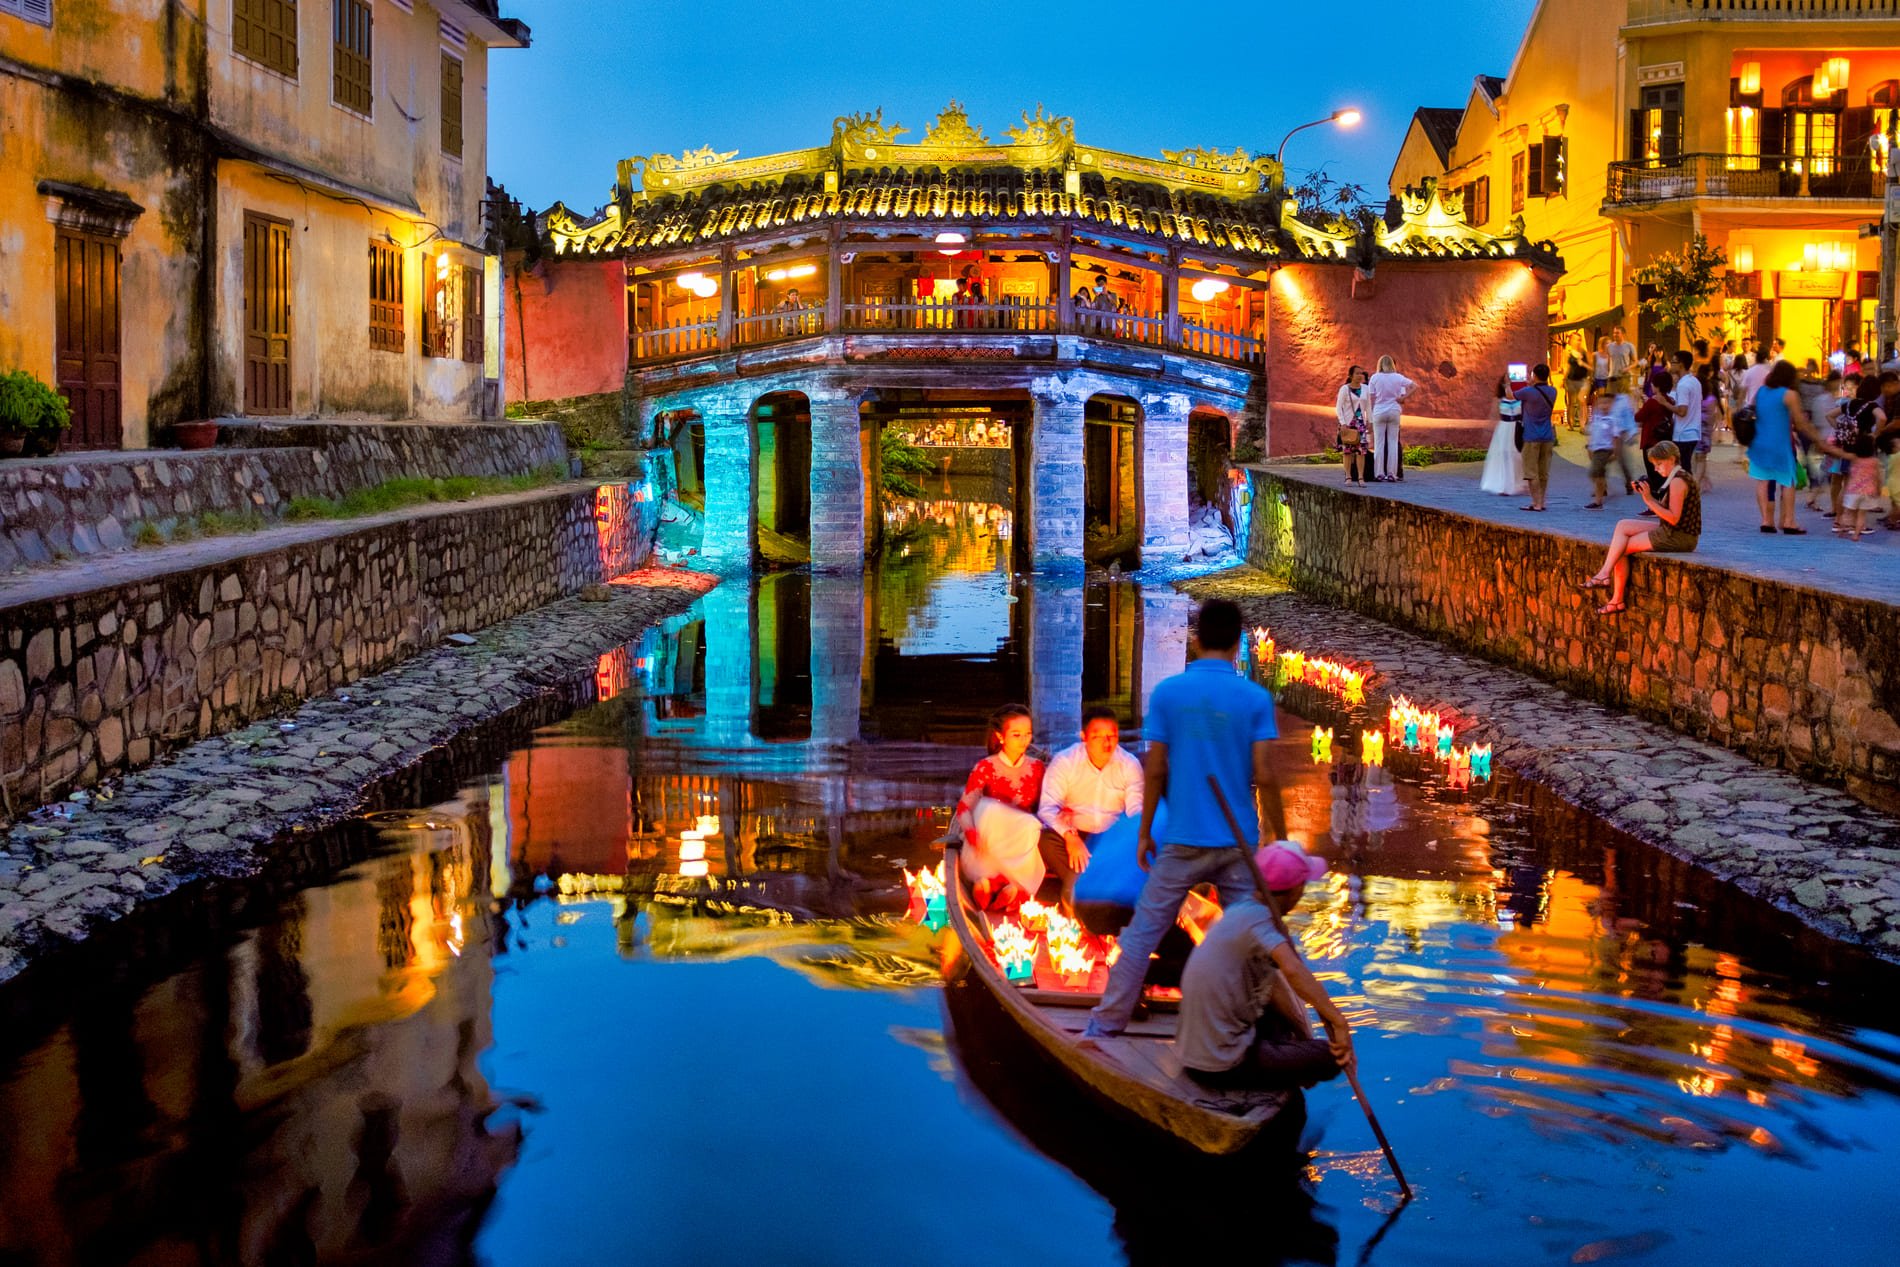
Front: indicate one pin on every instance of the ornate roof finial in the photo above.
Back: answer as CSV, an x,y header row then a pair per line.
x,y
867,129
1043,129
953,127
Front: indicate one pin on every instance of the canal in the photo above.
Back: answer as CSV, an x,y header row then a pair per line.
x,y
641,989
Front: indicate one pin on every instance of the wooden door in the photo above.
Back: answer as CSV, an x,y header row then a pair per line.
x,y
86,312
266,315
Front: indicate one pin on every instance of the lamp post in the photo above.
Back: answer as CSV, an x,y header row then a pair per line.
x,y
1344,118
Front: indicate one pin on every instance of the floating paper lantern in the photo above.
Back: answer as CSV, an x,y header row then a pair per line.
x,y
1355,688
1322,745
1396,718
1444,741
1263,646
1481,763
1458,772
1372,747
1411,730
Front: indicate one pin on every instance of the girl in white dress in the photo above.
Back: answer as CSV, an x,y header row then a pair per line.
x,y
1503,464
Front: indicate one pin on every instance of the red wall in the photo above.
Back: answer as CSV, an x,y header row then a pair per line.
x,y
575,315
1451,327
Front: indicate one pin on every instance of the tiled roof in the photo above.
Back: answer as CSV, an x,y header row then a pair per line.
x,y
1440,126
990,194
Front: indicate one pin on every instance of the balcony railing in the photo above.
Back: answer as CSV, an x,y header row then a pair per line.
x,y
877,316
1655,12
1746,176
947,314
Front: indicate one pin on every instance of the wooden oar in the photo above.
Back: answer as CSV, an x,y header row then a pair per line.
x,y
1260,888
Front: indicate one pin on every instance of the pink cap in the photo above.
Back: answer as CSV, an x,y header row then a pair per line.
x,y
1284,865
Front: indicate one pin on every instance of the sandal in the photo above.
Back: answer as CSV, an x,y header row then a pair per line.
x,y
1593,505
1610,609
1594,583
1794,532
1767,527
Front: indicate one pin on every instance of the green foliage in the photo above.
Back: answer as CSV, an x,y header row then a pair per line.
x,y
1685,281
1422,455
224,523
900,460
409,491
1331,203
27,404
149,535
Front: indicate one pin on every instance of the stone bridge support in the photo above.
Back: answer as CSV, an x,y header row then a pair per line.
x,y
1057,476
837,651
727,542
731,626
838,494
1055,658
1164,477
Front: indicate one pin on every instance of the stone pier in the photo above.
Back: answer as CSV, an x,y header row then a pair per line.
x,y
1058,475
1164,476
837,485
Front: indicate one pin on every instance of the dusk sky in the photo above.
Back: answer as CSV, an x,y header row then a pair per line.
x,y
609,81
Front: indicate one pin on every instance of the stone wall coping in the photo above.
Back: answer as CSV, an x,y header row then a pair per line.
x,y
1318,476
113,571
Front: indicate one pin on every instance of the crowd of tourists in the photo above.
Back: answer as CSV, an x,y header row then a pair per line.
x,y
1651,424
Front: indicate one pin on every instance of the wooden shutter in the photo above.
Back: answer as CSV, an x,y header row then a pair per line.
x,y
451,105
1534,171
385,297
1553,159
40,11
266,31
86,312
472,332
352,55
266,315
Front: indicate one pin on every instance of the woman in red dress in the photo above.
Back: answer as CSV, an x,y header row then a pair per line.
x,y
996,815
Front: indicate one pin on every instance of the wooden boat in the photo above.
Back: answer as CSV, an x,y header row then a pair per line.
x,y
1137,1070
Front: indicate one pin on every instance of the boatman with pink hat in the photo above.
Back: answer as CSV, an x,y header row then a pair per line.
x,y
1231,1033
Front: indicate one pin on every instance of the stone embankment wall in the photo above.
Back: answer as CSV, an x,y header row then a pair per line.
x,y
1789,676
88,504
102,681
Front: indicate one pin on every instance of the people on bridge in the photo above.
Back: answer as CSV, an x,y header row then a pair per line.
x,y
996,817
1239,1026
1205,721
1091,798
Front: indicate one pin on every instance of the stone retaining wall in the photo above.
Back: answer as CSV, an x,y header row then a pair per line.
x,y
99,682
1791,677
81,505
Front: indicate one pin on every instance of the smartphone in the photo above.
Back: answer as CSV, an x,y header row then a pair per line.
x,y
1518,372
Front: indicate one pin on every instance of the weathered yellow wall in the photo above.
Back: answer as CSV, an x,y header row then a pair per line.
x,y
135,139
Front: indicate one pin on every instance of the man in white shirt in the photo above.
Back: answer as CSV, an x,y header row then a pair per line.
x,y
1622,352
1687,406
1756,375
1088,787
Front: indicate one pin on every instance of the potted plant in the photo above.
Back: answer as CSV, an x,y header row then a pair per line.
x,y
32,415
201,433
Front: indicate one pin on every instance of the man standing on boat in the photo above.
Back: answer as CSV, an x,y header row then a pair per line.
x,y
1205,721
1231,1033
1089,788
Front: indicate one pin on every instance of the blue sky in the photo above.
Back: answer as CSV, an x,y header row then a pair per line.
x,y
610,79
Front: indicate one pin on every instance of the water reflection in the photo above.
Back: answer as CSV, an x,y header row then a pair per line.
x,y
672,923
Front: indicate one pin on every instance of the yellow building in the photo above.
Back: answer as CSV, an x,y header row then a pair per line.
x,y
255,207
1624,128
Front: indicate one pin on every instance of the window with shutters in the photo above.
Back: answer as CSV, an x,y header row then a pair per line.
x,y
352,24
1478,202
385,297
1744,139
1517,183
471,314
40,11
1656,128
451,105
1534,171
265,31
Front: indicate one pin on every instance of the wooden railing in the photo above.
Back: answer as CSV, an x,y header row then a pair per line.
x,y
1746,176
1651,12
1225,345
947,314
1127,327
680,338
780,323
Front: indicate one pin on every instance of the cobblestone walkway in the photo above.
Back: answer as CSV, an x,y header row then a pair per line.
x,y
1731,537
214,808
1816,852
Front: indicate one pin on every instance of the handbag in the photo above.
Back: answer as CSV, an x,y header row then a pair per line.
x,y
1743,425
1349,436
1517,435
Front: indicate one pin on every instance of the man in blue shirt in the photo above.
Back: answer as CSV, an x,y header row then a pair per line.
x,y
1540,433
1206,720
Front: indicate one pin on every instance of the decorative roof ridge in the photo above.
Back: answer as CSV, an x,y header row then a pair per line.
x,y
1422,225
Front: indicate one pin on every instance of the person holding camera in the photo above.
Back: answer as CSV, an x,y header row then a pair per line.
x,y
1540,432
1680,512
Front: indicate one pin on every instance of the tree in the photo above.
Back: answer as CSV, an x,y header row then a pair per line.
x,y
1685,281
1327,202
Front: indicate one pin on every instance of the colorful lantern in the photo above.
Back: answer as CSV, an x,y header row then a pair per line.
x,y
1262,646
1411,730
1322,745
1355,688
1444,741
1458,772
1481,763
1372,747
1395,719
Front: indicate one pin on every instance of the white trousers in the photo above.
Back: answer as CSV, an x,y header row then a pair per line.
x,y
1385,444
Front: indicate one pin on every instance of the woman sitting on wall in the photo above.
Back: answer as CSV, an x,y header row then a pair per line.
x,y
1680,513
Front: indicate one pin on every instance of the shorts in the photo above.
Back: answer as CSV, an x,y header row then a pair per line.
x,y
1537,460
1671,540
1864,501
1600,462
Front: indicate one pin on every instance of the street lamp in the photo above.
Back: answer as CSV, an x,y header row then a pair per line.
x,y
1344,118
